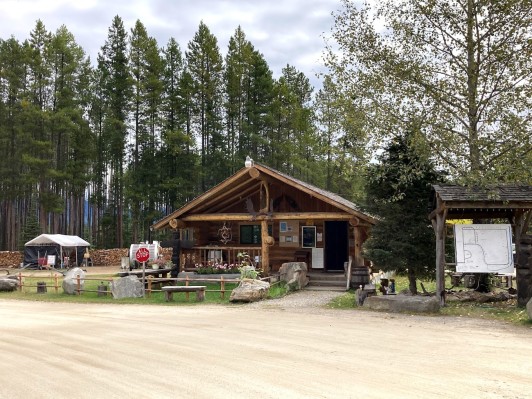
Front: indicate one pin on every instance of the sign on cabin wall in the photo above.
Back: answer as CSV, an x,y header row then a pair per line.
x,y
483,248
308,236
289,233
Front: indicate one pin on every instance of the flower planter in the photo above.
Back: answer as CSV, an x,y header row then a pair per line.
x,y
207,277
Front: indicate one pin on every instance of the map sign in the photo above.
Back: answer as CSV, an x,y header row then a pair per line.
x,y
483,248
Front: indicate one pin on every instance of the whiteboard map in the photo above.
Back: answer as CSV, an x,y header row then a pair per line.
x,y
483,248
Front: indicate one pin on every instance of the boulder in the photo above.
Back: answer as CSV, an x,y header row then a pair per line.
x,y
529,309
127,287
70,281
403,303
294,274
250,290
9,283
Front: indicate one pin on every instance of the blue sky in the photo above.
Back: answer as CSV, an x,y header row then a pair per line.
x,y
284,32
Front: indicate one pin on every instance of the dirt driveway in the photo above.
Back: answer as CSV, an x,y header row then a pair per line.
x,y
59,350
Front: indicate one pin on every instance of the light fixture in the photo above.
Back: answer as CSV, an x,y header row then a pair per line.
x,y
249,162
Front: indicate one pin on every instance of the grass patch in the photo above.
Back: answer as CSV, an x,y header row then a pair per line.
x,y
506,311
90,294
277,290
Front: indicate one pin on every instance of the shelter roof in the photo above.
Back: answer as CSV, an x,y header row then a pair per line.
x,y
494,201
58,239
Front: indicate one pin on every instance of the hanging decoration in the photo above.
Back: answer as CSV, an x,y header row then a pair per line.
x,y
225,234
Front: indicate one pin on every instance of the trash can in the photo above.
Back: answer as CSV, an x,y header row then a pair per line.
x,y
41,287
102,289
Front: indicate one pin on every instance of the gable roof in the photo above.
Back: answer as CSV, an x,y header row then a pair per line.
x,y
58,239
496,201
241,185
498,193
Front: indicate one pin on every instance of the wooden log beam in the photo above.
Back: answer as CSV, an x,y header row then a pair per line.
x,y
359,259
228,193
254,173
177,224
265,248
274,216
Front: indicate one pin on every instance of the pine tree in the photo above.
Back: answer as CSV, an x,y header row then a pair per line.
x,y
116,80
398,191
178,152
205,66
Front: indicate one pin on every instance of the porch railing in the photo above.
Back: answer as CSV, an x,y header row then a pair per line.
x,y
217,254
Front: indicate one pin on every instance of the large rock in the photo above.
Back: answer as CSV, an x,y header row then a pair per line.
x,y
9,283
250,291
403,303
529,309
127,287
294,274
70,281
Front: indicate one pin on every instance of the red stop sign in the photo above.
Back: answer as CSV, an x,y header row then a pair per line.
x,y
142,255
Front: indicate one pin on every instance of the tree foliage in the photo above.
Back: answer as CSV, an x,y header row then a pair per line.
x,y
104,150
458,71
398,189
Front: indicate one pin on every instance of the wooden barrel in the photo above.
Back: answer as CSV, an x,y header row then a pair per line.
x,y
41,287
359,276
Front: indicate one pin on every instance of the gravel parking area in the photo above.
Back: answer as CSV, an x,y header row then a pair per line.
x,y
303,300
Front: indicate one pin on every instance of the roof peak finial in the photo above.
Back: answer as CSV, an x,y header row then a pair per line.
x,y
249,162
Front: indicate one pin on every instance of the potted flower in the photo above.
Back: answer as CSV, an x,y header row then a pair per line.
x,y
157,263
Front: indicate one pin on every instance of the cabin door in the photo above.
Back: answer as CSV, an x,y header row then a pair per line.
x,y
336,246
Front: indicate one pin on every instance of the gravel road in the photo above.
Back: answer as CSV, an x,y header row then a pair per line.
x,y
286,348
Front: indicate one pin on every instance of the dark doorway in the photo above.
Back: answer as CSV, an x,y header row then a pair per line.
x,y
336,246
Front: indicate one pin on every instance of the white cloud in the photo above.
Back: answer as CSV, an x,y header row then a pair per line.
x,y
286,33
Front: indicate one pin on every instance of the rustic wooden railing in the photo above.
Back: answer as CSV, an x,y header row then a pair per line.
x,y
218,254
150,282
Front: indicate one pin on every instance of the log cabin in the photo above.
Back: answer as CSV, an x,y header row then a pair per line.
x,y
272,217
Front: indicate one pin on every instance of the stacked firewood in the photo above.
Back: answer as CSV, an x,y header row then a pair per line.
x,y
11,259
108,257
99,257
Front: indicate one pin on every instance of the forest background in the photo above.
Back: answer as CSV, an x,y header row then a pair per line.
x,y
103,149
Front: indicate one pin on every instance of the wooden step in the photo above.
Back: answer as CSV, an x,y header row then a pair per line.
x,y
324,288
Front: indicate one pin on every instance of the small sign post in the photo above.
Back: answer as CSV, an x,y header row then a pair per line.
x,y
142,255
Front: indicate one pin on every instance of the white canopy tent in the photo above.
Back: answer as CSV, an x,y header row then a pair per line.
x,y
59,245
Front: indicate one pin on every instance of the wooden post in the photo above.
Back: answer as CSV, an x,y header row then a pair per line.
x,y
265,256
56,284
78,283
186,284
150,278
222,286
20,282
439,230
359,260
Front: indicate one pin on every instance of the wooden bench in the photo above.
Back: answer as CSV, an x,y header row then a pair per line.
x,y
170,289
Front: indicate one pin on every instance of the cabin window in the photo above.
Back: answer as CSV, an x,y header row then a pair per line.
x,y
251,233
308,236
187,234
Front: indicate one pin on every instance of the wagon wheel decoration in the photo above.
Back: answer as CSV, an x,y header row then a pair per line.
x,y
225,234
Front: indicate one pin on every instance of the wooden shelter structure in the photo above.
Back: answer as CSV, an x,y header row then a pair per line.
x,y
272,217
509,202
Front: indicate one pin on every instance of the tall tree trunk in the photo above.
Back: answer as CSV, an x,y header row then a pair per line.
x,y
412,282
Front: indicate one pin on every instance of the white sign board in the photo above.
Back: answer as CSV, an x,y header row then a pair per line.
x,y
483,248
317,258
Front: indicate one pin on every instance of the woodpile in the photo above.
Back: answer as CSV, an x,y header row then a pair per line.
x,y
108,257
100,257
11,259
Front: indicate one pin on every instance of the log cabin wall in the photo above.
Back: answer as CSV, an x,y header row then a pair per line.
x,y
262,197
